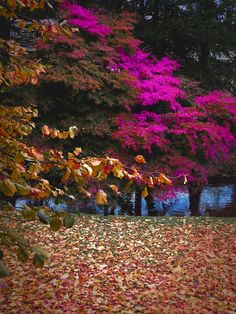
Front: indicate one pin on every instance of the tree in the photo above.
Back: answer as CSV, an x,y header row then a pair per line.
x,y
27,170
199,34
161,119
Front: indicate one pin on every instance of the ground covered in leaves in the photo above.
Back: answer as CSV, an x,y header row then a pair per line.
x,y
127,265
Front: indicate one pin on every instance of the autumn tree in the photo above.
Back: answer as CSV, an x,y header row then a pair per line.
x,y
164,119
27,169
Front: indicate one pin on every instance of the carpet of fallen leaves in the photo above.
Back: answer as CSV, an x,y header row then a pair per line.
x,y
127,265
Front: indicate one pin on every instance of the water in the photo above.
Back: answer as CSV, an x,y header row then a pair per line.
x,y
215,199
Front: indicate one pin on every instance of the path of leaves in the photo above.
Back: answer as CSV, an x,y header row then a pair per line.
x,y
123,265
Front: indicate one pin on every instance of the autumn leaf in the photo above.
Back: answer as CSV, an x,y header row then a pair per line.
x,y
114,188
38,260
22,189
28,213
101,198
77,151
46,130
55,224
88,168
144,192
22,254
150,182
8,187
118,172
3,270
140,159
54,133
163,179
68,221
21,23
72,131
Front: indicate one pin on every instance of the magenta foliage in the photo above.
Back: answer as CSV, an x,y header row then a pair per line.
x,y
187,139
191,138
217,99
154,79
85,19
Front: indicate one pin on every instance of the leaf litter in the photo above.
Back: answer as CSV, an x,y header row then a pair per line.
x,y
126,265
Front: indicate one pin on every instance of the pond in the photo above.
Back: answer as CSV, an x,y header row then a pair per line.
x,y
218,198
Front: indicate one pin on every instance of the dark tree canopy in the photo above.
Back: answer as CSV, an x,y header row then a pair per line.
x,y
200,34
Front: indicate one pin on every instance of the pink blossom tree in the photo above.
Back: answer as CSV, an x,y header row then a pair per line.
x,y
183,135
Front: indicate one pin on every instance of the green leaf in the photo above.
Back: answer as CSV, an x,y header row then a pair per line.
x,y
3,270
55,224
7,187
6,206
22,189
28,213
68,221
46,155
40,256
43,218
16,237
22,254
41,251
38,261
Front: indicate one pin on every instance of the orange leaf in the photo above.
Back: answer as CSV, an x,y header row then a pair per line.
x,y
36,154
114,188
163,179
53,133
140,159
46,130
101,197
150,182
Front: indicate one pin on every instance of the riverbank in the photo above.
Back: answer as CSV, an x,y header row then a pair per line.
x,y
127,265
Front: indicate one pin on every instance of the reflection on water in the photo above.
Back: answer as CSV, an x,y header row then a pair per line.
x,y
213,200
216,199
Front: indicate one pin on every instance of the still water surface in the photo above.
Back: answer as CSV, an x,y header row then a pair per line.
x,y
217,199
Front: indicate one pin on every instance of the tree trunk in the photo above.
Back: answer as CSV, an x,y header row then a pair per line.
x,y
5,28
194,198
150,202
138,200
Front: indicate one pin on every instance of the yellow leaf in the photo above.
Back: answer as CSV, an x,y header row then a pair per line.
x,y
72,131
163,179
144,192
41,4
85,192
185,179
11,3
7,187
65,135
150,182
77,151
88,168
66,175
101,197
60,135
35,25
118,172
21,24
22,189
